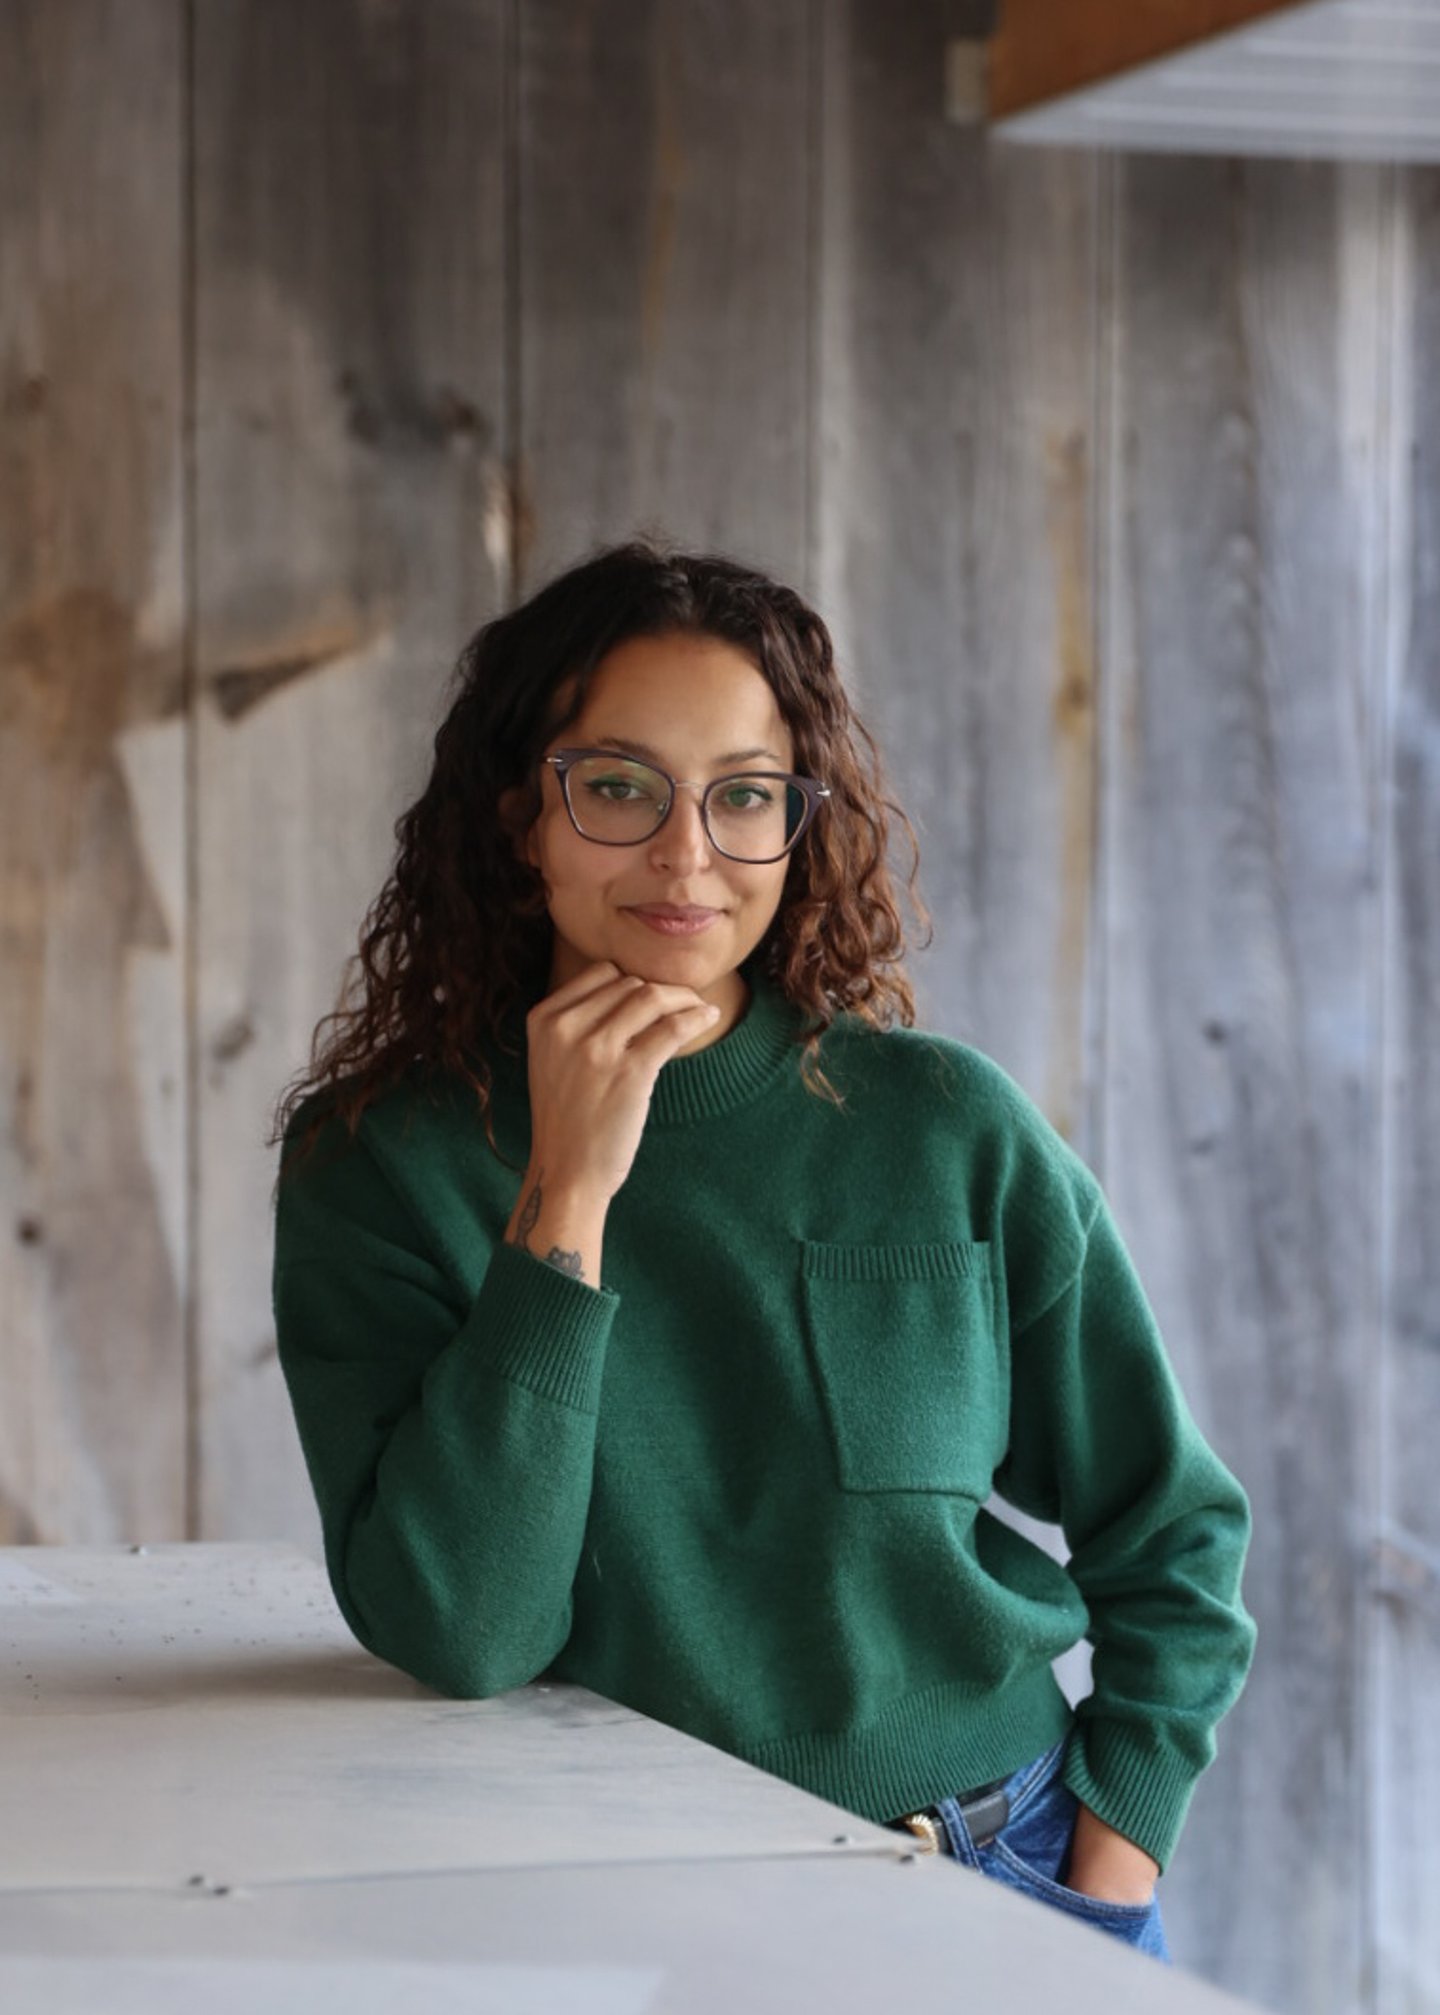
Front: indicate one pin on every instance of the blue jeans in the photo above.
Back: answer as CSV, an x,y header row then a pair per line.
x,y
1032,1850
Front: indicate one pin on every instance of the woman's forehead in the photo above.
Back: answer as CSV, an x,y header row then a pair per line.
x,y
683,698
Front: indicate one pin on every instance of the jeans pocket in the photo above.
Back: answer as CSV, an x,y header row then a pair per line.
x,y
1031,1849
1114,1916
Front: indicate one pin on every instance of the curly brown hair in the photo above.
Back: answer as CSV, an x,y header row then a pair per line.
x,y
460,933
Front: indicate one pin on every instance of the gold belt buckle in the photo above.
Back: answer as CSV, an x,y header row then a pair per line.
x,y
925,1826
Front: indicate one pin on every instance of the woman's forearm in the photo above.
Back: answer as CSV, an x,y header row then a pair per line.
x,y
560,1225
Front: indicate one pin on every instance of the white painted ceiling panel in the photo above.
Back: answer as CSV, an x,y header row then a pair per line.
x,y
1353,79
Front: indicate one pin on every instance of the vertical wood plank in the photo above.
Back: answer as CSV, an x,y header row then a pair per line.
x,y
92,921
664,286
351,531
1407,1620
954,529
1242,1052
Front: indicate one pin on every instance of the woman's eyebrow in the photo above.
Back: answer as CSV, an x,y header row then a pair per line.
x,y
649,755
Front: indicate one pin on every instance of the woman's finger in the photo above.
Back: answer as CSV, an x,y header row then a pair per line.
x,y
595,977
630,1015
656,1043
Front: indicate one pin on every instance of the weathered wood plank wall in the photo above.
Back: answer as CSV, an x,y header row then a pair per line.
x,y
96,1261
1241,1069
326,331
1403,1414
662,273
351,527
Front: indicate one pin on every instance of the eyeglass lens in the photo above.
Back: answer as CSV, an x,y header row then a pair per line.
x,y
749,817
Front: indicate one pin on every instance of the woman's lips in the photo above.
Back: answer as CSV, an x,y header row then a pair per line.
x,y
675,923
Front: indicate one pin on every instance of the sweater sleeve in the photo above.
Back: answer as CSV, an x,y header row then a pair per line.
x,y
1102,1441
450,1447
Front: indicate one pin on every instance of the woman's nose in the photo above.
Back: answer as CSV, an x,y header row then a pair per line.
x,y
682,838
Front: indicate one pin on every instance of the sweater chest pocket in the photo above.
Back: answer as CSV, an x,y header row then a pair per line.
x,y
902,1342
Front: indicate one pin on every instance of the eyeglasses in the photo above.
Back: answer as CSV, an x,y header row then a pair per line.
x,y
617,801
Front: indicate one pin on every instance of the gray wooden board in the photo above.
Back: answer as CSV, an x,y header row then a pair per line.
x,y
955,367
1407,1613
352,528
92,913
659,1936
663,206
203,1710
1240,570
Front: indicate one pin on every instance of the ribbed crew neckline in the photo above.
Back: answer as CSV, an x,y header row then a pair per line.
x,y
731,1072
725,1074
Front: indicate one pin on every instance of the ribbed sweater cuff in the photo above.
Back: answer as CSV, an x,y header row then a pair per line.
x,y
1142,1791
542,1328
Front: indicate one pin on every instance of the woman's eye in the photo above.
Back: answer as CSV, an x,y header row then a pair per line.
x,y
752,795
611,788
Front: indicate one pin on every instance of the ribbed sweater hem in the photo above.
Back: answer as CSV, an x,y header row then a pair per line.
x,y
925,1746
1142,1791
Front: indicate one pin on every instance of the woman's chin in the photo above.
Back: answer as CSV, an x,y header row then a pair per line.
x,y
639,945
699,961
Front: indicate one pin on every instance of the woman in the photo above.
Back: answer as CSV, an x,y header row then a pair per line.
x,y
660,1307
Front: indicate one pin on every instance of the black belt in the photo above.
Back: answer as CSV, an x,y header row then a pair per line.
x,y
985,1811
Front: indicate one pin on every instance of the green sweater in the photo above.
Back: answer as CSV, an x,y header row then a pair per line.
x,y
740,1484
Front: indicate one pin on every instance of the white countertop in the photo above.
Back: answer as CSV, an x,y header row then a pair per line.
x,y
214,1795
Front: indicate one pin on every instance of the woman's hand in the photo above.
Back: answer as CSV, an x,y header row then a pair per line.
x,y
1104,1864
596,1046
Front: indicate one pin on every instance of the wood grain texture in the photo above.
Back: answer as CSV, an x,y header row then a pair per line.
x,y
92,918
352,529
1239,578
954,527
663,162
1407,1565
